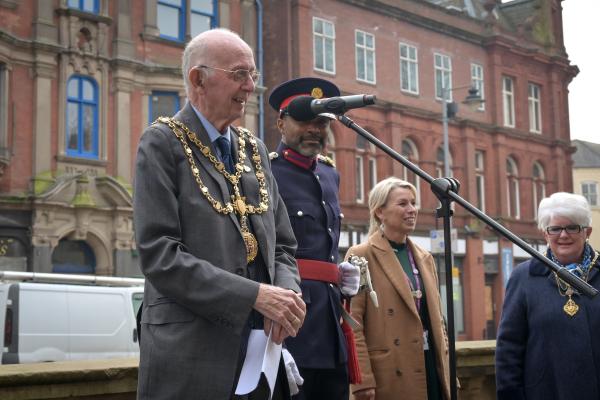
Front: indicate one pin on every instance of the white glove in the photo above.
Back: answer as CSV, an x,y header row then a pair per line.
x,y
291,370
349,278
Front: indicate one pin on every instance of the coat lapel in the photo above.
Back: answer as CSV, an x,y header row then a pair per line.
x,y
190,119
391,267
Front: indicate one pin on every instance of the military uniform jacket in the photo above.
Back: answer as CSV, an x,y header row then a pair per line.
x,y
311,197
196,298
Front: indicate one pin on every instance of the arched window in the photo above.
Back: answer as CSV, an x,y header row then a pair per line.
x,y
480,178
409,150
439,164
365,167
539,186
512,188
73,257
82,118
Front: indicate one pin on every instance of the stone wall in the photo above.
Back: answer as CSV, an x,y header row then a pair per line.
x,y
117,379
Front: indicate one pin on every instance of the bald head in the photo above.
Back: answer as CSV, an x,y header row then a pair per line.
x,y
209,48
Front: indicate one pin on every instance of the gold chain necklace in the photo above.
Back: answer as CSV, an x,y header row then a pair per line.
x,y
564,289
238,203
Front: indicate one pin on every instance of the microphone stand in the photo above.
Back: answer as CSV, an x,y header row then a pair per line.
x,y
446,190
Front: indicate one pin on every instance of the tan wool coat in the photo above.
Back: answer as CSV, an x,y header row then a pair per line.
x,y
389,339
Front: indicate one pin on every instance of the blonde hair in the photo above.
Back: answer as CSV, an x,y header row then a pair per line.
x,y
378,197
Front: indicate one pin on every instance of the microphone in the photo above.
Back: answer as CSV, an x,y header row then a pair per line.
x,y
305,108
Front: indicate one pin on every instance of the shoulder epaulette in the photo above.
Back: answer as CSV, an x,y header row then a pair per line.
x,y
273,155
326,160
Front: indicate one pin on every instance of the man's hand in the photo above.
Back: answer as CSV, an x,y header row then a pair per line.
x,y
349,278
365,394
283,310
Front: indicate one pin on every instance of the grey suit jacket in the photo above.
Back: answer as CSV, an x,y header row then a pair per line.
x,y
196,299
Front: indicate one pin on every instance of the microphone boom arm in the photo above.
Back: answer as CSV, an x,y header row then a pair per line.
x,y
446,191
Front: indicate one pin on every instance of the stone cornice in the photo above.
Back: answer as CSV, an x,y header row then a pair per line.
x,y
84,15
420,20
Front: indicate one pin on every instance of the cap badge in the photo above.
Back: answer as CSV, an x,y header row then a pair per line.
x,y
317,93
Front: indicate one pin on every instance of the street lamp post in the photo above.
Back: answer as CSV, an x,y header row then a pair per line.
x,y
449,110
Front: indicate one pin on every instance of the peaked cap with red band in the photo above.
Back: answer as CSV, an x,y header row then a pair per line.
x,y
318,88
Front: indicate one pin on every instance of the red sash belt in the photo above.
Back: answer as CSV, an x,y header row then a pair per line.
x,y
328,272
318,271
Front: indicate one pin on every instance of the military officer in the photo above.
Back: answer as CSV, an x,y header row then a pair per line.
x,y
308,183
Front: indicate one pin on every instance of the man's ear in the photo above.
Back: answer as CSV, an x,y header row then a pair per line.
x,y
280,125
196,77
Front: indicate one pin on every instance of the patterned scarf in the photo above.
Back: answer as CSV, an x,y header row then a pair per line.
x,y
580,270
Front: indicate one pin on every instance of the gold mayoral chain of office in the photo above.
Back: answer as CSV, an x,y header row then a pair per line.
x,y
238,203
564,289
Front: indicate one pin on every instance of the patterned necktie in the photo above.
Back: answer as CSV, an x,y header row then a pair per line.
x,y
225,149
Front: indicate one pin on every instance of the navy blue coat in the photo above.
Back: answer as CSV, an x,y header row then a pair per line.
x,y
311,198
542,353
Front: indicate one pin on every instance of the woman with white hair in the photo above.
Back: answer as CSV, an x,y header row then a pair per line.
x,y
401,345
548,344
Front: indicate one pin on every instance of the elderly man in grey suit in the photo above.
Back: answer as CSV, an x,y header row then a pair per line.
x,y
214,239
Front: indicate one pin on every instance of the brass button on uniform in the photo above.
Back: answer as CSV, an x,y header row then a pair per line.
x,y
299,213
390,311
398,372
397,342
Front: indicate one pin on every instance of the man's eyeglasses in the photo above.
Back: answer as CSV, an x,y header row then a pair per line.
x,y
556,230
238,75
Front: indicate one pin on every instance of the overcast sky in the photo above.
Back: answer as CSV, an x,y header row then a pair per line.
x,y
581,28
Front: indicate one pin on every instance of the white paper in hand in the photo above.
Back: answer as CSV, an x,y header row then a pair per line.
x,y
262,356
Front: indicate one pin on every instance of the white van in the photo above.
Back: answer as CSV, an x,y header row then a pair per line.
x,y
42,322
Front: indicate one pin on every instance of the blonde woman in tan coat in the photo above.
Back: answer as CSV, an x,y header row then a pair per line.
x,y
402,345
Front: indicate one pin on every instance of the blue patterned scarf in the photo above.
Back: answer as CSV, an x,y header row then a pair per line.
x,y
580,270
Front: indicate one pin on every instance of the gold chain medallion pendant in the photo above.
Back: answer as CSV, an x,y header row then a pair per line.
x,y
251,246
570,307
238,204
249,240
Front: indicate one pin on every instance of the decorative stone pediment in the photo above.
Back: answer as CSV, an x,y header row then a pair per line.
x,y
97,210
79,190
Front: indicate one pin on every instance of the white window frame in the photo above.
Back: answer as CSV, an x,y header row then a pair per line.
x,y
318,36
535,107
406,174
360,179
512,187
539,182
585,192
372,172
411,66
442,66
478,83
480,178
368,55
508,101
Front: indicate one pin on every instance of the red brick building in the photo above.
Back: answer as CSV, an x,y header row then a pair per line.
x,y
507,154
80,79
